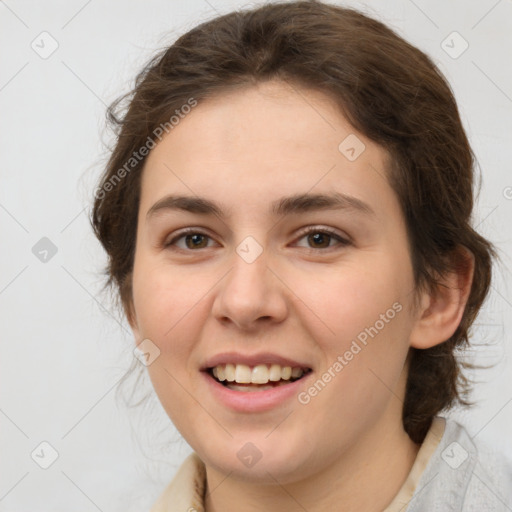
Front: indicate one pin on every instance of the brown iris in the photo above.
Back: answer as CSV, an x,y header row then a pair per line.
x,y
322,239
197,240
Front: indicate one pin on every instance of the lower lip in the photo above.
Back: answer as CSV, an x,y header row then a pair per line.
x,y
253,401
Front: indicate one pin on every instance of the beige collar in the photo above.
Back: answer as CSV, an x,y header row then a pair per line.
x,y
186,491
427,449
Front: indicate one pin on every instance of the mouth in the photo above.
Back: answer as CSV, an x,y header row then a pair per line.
x,y
261,377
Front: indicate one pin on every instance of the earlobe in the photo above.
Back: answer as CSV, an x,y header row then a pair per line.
x,y
442,308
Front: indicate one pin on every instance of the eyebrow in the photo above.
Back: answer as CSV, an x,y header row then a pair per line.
x,y
296,204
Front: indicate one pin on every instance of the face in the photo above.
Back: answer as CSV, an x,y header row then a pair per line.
x,y
272,273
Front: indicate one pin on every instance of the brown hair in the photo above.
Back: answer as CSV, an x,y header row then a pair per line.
x,y
389,90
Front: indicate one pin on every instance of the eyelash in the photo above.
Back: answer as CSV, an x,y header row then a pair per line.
x,y
305,232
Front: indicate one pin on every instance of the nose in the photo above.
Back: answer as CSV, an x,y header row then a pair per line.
x,y
250,296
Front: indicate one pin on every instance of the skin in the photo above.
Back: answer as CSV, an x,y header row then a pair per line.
x,y
346,449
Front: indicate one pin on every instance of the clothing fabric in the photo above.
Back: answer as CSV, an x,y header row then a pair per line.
x,y
427,449
451,473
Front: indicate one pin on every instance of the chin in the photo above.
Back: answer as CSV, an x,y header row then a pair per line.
x,y
262,460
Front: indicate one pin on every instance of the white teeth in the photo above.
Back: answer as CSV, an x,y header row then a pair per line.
x,y
229,372
275,373
259,374
221,374
243,374
286,372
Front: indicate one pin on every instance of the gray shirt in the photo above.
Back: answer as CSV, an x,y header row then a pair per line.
x,y
463,476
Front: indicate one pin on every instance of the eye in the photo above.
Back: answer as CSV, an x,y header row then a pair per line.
x,y
316,237
321,238
189,239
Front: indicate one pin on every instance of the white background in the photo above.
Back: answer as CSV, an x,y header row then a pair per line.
x,y
63,346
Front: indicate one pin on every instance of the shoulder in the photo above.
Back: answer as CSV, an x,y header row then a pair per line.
x,y
464,475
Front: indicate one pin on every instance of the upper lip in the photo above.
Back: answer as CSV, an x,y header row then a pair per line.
x,y
251,360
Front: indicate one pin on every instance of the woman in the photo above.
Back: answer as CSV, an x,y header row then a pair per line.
x,y
287,218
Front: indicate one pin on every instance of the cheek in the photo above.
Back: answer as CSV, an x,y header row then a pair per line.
x,y
364,321
163,299
361,294
364,359
169,307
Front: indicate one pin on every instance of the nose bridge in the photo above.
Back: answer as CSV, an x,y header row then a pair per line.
x,y
250,292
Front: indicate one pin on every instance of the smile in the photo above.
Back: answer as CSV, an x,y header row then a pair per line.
x,y
261,377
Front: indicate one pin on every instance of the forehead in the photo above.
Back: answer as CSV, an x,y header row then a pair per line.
x,y
263,142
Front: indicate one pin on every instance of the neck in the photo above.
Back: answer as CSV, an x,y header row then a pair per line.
x,y
367,477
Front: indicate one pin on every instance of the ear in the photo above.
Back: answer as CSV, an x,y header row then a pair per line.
x,y
441,309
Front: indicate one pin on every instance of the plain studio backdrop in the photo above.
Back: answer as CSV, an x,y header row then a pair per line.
x,y
63,346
